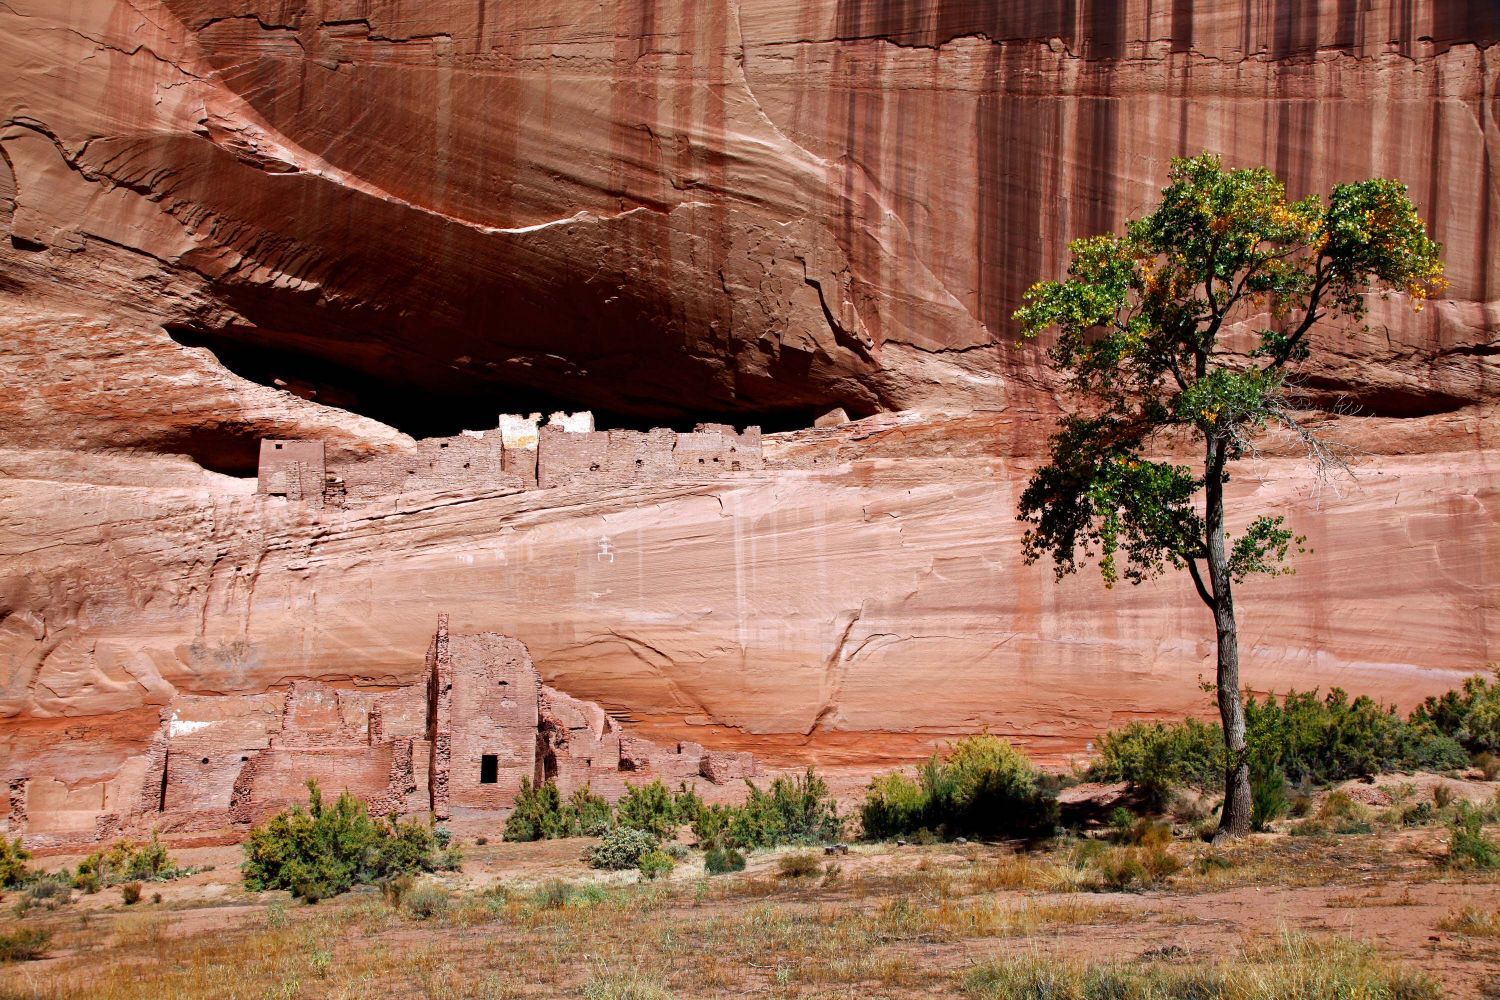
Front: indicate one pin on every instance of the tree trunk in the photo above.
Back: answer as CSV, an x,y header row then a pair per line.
x,y
1234,819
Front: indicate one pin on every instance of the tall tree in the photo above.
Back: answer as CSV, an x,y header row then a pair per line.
x,y
1141,325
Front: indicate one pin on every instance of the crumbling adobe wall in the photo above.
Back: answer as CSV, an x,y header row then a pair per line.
x,y
624,457
517,456
297,470
221,760
493,713
466,462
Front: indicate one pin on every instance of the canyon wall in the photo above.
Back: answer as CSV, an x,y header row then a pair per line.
x,y
359,221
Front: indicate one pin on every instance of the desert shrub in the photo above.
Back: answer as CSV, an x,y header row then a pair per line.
x,y
894,805
624,985
88,882
588,813
982,787
554,894
795,810
426,901
1417,814
719,860
321,851
124,861
1294,968
537,814
13,858
1468,847
655,864
394,889
1268,794
1155,757
800,865
24,944
650,808
622,848
1470,715
130,892
1121,820
1443,795
1488,764
1335,738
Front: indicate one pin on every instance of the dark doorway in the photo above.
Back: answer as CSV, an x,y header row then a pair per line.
x,y
489,769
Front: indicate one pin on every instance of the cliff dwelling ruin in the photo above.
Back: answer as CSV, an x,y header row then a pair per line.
x,y
457,744
518,455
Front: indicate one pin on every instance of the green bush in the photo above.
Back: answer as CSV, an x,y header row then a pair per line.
x,y
795,810
719,860
540,813
1468,847
13,858
322,851
588,813
651,808
24,944
801,865
983,787
1471,715
127,862
655,864
622,848
1155,757
426,901
537,814
1306,738
894,805
1268,794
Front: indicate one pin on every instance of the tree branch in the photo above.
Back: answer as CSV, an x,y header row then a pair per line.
x,y
1192,565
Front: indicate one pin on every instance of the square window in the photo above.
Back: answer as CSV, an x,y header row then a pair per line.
x,y
489,769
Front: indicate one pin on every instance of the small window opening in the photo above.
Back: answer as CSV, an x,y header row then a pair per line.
x,y
700,461
502,683
639,462
278,446
466,465
489,769
443,445
244,760
205,760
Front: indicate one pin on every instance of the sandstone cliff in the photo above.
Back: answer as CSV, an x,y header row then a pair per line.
x,y
352,221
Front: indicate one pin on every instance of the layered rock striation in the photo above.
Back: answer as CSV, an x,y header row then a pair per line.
x,y
358,224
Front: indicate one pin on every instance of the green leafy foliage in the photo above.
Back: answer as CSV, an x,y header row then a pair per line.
x,y
1334,738
1138,320
588,813
655,864
720,860
537,814
24,944
1301,738
1468,846
540,814
1156,757
125,861
322,851
795,810
13,858
1470,715
622,848
651,808
982,787
1268,794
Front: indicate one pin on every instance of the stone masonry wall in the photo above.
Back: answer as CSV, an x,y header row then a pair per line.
x,y
516,457
231,760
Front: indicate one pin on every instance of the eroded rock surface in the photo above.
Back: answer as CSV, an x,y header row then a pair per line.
x,y
349,222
